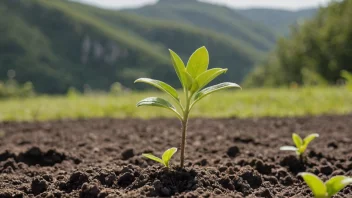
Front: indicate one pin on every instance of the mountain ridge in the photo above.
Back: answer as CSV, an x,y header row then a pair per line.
x,y
78,45
262,17
270,17
212,17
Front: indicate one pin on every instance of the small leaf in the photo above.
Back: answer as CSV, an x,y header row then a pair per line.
x,y
288,148
336,184
158,102
155,101
297,140
160,85
315,184
168,155
195,86
154,158
180,68
306,142
201,94
188,80
209,75
310,138
198,62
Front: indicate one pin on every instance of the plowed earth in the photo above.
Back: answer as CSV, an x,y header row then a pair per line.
x,y
224,157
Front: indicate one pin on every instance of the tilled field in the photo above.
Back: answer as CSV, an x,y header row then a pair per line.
x,y
224,157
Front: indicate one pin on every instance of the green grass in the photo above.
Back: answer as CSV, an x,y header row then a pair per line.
x,y
246,103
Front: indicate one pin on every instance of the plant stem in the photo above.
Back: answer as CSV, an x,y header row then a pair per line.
x,y
302,158
183,142
184,128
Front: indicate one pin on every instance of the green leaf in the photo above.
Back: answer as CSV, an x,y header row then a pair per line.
x,y
315,184
310,138
162,86
168,155
188,80
337,183
154,158
180,69
198,62
155,101
288,148
297,140
201,94
207,76
158,102
306,142
195,86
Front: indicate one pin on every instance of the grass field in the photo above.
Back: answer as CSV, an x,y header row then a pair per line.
x,y
246,103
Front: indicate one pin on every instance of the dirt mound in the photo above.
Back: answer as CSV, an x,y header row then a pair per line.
x,y
34,156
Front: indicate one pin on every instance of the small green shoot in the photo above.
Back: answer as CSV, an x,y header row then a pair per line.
x,y
301,145
167,155
193,77
327,189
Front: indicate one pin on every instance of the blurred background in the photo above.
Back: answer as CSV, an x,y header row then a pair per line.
x,y
78,59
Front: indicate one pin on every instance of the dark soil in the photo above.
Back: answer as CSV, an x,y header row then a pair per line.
x,y
224,157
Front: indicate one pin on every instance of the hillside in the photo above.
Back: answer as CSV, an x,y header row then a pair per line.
x,y
278,20
221,19
57,44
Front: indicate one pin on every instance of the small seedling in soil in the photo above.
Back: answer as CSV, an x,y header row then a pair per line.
x,y
193,78
167,155
301,145
327,189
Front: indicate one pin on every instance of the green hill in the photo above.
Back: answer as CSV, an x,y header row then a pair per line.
x,y
315,53
57,44
220,19
278,20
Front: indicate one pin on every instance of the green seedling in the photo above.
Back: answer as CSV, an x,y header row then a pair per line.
x,y
167,155
301,145
193,77
327,189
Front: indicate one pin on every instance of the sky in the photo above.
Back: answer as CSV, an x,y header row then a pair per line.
x,y
284,4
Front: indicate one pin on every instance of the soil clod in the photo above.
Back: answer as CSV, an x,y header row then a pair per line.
x,y
233,151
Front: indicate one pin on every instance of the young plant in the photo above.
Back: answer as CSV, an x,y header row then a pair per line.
x,y
167,155
193,77
301,145
327,189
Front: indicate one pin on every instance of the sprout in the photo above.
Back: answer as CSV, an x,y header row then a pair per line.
x,y
327,189
193,79
301,145
167,155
